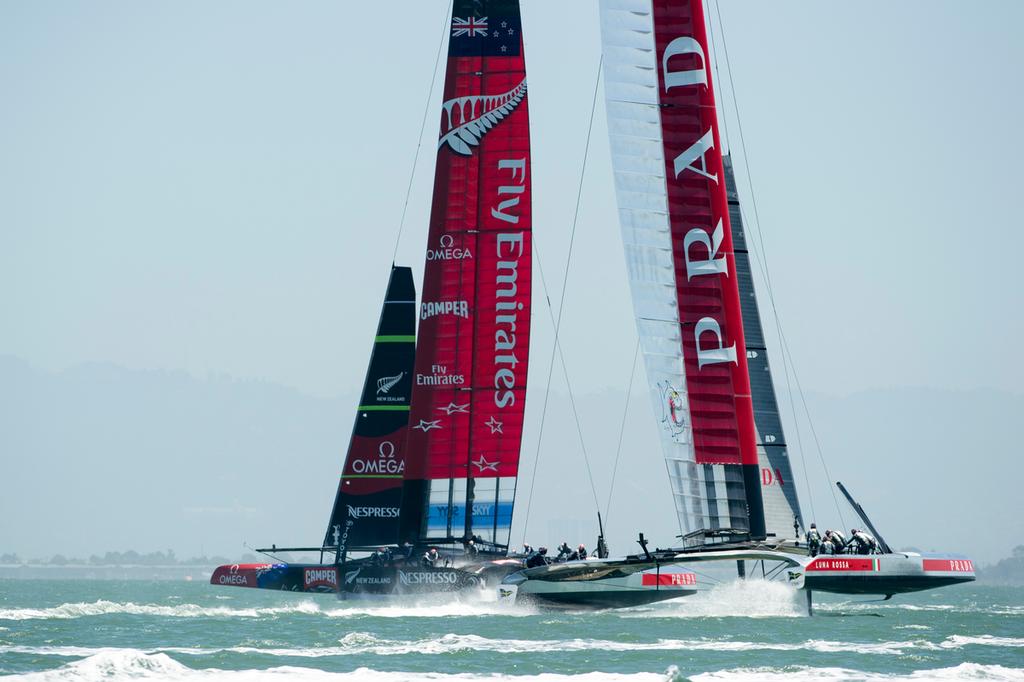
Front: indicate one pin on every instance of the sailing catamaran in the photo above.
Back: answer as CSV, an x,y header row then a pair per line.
x,y
434,455
702,342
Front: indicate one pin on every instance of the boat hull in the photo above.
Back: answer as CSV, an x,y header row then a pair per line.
x,y
614,583
363,578
886,574
595,584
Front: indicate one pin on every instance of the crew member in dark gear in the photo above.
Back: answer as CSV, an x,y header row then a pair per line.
x,y
538,558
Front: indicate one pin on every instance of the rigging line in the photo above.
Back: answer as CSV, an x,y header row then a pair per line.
x,y
579,428
764,257
814,433
796,422
622,429
756,222
718,77
423,126
786,371
558,323
547,392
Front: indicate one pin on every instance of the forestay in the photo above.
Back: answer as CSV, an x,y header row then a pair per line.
x,y
670,187
474,319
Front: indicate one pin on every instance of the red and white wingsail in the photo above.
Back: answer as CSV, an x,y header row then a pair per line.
x,y
670,186
469,389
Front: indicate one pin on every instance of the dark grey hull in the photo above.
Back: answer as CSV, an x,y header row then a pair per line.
x,y
609,599
596,584
401,580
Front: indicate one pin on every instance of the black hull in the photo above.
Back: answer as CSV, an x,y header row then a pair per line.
x,y
362,579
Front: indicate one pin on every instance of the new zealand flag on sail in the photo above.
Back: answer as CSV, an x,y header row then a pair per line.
x,y
485,28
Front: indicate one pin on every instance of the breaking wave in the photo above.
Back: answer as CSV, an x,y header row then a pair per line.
x,y
876,605
138,665
964,671
739,598
102,608
359,643
958,641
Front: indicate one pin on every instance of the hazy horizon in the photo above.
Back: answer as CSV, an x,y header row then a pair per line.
x,y
208,465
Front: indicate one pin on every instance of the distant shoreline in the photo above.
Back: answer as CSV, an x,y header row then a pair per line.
x,y
183,572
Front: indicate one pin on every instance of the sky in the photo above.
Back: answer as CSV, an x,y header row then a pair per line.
x,y
217,188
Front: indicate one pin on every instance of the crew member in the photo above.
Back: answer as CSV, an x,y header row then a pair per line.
x,y
527,550
471,550
538,558
862,542
813,541
838,541
563,551
580,553
430,558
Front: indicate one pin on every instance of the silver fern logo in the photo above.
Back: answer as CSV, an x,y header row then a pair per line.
x,y
467,119
385,384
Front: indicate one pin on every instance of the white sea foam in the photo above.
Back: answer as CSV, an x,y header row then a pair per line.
x,y
110,666
741,598
960,641
876,605
964,671
101,608
429,610
138,665
361,643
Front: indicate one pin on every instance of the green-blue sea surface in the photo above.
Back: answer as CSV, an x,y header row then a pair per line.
x,y
93,630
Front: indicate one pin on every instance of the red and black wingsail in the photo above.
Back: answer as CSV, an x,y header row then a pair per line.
x,y
367,507
666,153
469,388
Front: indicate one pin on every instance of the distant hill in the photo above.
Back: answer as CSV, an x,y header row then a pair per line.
x,y
1008,571
98,457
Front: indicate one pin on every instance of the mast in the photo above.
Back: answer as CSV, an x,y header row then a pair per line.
x,y
367,507
469,389
673,211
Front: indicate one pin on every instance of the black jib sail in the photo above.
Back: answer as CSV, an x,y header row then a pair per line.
x,y
369,501
778,489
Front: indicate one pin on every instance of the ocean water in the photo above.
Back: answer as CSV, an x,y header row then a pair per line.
x,y
75,630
